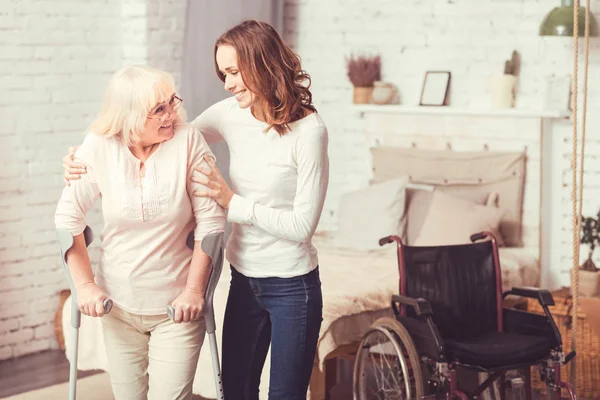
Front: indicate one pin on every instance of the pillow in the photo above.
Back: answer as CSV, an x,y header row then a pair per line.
x,y
367,215
418,202
452,220
417,206
472,175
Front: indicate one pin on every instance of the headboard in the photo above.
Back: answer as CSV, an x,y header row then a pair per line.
x,y
469,174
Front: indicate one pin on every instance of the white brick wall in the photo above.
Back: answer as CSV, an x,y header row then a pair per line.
x,y
55,61
57,57
471,38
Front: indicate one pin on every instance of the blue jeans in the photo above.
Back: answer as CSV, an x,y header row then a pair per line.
x,y
283,312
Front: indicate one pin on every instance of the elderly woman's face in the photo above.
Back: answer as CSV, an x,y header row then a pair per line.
x,y
159,124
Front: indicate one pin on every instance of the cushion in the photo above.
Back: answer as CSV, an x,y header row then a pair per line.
x,y
367,215
470,175
452,220
498,349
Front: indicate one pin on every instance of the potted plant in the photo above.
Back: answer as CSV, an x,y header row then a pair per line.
x,y
589,283
503,86
363,72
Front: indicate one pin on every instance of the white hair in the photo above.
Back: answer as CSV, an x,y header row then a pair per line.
x,y
132,92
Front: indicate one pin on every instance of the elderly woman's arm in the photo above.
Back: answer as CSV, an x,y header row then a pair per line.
x,y
75,201
210,218
190,303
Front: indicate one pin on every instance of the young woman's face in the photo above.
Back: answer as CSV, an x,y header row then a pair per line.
x,y
159,124
227,62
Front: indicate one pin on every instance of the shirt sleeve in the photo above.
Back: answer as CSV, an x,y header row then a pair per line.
x,y
300,223
209,215
209,122
77,198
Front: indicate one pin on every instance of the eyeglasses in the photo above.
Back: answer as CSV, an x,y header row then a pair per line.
x,y
164,109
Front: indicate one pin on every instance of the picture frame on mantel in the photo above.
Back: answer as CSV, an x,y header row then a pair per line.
x,y
558,93
435,88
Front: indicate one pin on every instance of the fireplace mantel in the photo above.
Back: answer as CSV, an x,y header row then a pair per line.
x,y
469,128
460,111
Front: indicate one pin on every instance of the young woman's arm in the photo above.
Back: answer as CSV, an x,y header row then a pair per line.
x,y
300,223
209,122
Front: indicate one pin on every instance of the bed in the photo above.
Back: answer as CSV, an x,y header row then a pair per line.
x,y
409,195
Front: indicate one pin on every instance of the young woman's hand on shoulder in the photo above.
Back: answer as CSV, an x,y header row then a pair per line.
x,y
72,169
216,186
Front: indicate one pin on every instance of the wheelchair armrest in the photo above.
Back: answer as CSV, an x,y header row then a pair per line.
x,y
544,296
424,313
421,306
528,323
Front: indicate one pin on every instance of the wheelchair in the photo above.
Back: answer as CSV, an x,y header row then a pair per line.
x,y
449,317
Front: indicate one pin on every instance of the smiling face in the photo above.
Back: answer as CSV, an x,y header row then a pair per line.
x,y
160,122
263,73
227,62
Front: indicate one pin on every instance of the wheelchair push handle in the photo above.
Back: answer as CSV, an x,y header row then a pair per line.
x,y
389,239
478,236
385,240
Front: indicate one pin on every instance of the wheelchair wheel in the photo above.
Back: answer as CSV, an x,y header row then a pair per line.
x,y
387,366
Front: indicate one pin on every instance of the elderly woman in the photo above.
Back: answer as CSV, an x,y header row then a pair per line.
x,y
280,174
139,156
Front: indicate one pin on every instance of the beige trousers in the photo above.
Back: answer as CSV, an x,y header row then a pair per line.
x,y
150,357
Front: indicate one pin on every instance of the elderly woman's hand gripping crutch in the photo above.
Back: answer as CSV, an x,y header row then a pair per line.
x,y
212,245
86,297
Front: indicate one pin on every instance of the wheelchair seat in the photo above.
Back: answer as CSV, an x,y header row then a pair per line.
x,y
498,349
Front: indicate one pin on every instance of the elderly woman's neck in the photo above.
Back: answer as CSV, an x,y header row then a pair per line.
x,y
143,151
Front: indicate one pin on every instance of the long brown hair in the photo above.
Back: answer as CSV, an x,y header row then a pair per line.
x,y
271,70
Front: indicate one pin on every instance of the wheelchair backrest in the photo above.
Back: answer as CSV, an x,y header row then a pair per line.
x,y
459,282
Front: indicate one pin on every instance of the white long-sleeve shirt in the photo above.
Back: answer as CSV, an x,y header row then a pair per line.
x,y
280,184
144,259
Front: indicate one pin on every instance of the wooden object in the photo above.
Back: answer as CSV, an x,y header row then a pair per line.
x,y
58,330
586,341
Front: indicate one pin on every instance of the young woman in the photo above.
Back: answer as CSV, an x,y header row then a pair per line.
x,y
139,158
279,172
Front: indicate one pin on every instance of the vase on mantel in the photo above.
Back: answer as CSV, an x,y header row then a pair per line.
x,y
362,95
383,93
589,279
502,91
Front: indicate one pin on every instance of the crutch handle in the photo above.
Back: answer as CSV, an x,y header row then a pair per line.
x,y
108,304
171,312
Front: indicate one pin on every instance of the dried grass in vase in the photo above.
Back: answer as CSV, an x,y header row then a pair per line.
x,y
363,71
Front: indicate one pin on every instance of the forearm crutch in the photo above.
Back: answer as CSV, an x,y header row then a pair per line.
x,y
65,240
212,245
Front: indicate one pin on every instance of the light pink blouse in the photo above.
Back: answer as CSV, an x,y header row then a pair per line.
x,y
144,259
